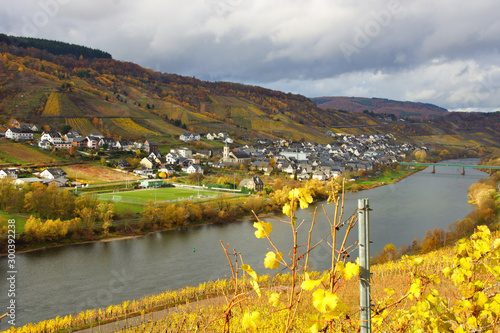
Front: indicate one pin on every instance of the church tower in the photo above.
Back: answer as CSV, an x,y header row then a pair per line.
x,y
225,154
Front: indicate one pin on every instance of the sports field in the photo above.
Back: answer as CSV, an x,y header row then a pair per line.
x,y
160,194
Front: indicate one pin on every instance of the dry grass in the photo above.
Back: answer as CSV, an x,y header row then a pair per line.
x,y
94,174
23,153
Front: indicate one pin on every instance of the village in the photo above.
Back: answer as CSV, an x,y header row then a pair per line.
x,y
299,160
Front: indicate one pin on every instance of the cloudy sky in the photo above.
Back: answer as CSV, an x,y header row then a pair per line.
x,y
444,52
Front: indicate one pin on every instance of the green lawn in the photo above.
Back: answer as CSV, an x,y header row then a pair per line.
x,y
161,194
388,177
20,221
123,207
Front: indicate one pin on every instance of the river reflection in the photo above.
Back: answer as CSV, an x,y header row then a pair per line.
x,y
56,282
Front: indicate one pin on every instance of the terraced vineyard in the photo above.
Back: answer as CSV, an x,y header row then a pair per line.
x,y
59,104
131,127
82,125
53,106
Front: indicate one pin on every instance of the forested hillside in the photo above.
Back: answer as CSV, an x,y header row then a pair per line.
x,y
51,84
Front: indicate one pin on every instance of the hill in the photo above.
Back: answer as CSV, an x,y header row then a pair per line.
x,y
92,92
99,94
381,106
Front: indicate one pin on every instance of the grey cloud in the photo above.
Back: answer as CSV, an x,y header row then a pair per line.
x,y
435,51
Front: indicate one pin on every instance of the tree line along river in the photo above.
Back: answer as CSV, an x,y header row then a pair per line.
x,y
59,281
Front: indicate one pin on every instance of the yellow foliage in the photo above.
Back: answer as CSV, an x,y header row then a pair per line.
x,y
263,229
53,106
132,127
251,320
272,260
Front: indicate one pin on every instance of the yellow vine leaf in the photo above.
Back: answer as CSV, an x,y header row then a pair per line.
x,y
255,286
309,284
415,289
350,270
481,299
472,322
249,270
287,210
294,194
274,299
314,321
302,195
272,260
251,320
494,305
481,248
328,303
263,229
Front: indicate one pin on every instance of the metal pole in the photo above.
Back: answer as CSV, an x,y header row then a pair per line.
x,y
364,264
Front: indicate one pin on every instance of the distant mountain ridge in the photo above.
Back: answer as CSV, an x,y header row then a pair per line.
x,y
400,109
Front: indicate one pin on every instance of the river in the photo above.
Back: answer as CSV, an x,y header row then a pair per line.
x,y
56,282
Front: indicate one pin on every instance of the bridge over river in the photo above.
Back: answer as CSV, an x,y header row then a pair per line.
x,y
463,166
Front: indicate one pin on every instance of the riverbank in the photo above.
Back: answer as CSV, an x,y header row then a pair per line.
x,y
247,218
120,230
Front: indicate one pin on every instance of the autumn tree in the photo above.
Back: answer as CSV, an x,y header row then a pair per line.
x,y
255,204
316,189
433,240
280,197
420,155
150,215
388,253
195,178
278,184
4,226
106,212
50,230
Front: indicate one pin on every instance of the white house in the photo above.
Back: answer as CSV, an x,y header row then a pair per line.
x,y
145,172
52,137
193,169
171,158
319,176
52,173
18,134
186,137
183,152
211,136
4,173
168,169
72,135
148,163
93,141
44,144
110,142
